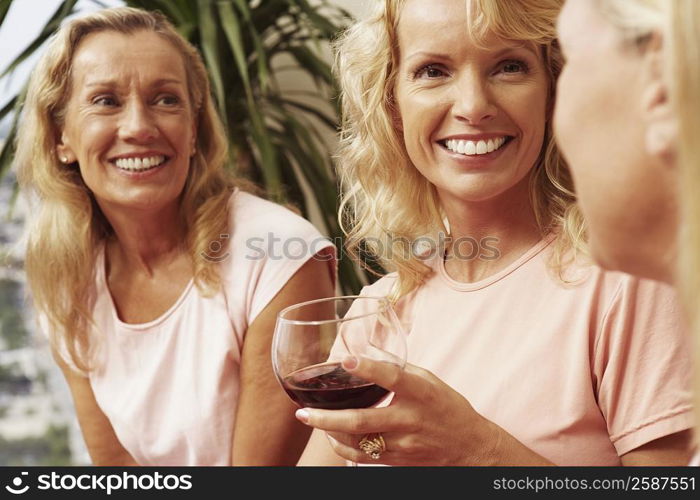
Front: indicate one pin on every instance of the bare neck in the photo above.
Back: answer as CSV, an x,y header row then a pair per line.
x,y
145,239
487,236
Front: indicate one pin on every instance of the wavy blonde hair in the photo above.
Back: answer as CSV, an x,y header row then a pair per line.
x,y
386,202
68,228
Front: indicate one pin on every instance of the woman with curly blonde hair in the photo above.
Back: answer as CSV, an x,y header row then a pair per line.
x,y
521,352
159,311
641,104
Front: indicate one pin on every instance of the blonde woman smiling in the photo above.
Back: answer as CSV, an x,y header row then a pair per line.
x,y
137,260
537,357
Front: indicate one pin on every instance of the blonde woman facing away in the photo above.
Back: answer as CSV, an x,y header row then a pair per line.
x,y
159,309
631,88
521,352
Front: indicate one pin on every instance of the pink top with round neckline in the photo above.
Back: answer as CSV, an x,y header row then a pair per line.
x,y
581,374
169,387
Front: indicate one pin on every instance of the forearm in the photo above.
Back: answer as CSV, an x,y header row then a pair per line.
x,y
268,437
672,450
102,443
506,450
318,452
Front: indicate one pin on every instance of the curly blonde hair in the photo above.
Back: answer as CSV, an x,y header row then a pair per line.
x,y
386,202
68,228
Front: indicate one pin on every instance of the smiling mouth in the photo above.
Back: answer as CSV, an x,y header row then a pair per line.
x,y
475,148
140,164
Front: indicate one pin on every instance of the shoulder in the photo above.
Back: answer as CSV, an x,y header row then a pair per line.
x,y
252,216
382,287
638,314
268,245
625,290
640,301
246,202
579,271
264,231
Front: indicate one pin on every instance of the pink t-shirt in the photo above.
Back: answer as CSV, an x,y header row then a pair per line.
x,y
170,386
581,373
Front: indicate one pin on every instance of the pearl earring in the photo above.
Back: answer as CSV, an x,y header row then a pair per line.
x,y
64,159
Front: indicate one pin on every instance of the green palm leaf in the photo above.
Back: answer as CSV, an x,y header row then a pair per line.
x,y
4,8
65,9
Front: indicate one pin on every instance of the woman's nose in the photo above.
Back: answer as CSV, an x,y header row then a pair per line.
x,y
472,99
138,123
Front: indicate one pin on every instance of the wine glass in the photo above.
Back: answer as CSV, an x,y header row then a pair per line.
x,y
312,338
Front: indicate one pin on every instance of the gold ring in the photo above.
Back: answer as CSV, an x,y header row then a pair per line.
x,y
373,445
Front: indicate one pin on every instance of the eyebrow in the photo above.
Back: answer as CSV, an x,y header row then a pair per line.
x,y
530,47
157,83
428,54
436,55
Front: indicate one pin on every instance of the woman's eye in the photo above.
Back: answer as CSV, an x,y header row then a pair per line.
x,y
104,100
514,67
429,71
168,100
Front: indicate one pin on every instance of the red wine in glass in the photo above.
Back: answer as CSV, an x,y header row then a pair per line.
x,y
330,387
311,338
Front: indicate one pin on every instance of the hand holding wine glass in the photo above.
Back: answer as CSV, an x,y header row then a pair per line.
x,y
345,355
312,338
426,423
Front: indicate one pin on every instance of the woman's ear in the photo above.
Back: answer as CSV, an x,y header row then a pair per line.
x,y
660,121
65,152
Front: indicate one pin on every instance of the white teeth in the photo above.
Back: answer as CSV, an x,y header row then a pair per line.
x,y
471,148
139,164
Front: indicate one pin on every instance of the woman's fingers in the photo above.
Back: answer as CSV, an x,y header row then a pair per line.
x,y
353,440
409,381
351,451
402,423
359,421
348,452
